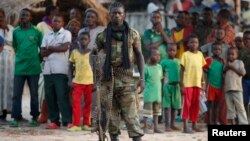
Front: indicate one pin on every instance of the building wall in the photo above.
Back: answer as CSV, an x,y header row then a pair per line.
x,y
138,20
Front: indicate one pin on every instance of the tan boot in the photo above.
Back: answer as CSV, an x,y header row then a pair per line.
x,y
44,113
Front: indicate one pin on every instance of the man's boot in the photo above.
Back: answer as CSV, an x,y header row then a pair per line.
x,y
44,113
138,138
114,137
156,128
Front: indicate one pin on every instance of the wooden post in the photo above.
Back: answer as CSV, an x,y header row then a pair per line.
x,y
237,12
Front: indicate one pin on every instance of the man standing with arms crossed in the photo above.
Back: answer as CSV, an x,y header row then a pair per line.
x,y
55,49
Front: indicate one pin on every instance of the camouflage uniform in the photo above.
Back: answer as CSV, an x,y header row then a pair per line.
x,y
124,86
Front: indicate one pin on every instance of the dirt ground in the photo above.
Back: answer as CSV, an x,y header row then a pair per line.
x,y
24,133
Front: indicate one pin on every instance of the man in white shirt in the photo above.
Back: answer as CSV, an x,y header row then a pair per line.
x,y
45,27
55,48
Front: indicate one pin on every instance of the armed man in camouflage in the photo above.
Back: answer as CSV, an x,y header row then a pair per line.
x,y
122,46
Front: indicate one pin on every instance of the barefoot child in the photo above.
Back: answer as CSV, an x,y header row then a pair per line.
x,y
192,62
233,88
152,92
171,89
214,70
82,83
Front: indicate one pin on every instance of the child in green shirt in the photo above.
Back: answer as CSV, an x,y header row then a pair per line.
x,y
152,92
214,71
171,89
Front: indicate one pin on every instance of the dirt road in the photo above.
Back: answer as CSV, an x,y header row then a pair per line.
x,y
24,133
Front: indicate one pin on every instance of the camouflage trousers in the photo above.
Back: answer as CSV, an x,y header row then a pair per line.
x,y
123,104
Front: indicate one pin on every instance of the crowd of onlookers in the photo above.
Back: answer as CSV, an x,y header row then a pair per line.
x,y
45,56
201,53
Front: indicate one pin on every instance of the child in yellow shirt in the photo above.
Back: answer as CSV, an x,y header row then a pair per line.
x,y
82,83
192,62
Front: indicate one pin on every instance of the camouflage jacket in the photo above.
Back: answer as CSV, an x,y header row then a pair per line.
x,y
116,53
122,77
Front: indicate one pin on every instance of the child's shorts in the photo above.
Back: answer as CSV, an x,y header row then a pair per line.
x,y
171,96
214,94
151,108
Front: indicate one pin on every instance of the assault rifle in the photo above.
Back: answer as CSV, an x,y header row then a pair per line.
x,y
100,113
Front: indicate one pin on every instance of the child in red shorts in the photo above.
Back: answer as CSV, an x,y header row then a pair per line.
x,y
214,71
192,62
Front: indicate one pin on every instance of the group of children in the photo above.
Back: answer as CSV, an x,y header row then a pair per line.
x,y
183,81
